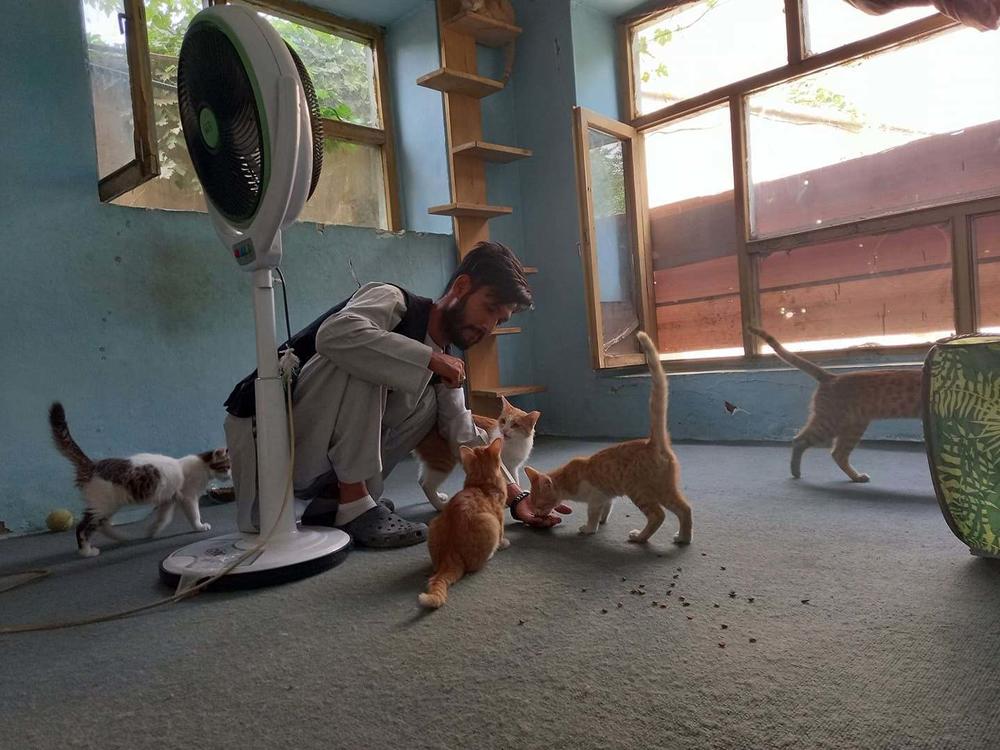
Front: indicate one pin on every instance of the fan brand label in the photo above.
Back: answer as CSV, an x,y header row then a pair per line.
x,y
243,251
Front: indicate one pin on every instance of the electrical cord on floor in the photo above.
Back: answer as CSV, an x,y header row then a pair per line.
x,y
36,575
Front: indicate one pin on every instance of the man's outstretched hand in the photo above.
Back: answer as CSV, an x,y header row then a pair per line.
x,y
525,512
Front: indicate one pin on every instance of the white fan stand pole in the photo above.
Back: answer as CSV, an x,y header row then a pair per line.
x,y
290,551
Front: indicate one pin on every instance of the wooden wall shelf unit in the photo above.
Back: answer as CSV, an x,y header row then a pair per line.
x,y
459,81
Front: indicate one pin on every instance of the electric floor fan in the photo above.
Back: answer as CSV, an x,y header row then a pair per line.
x,y
252,126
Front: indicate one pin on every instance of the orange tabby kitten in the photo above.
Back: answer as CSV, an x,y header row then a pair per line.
x,y
516,427
843,405
645,470
470,529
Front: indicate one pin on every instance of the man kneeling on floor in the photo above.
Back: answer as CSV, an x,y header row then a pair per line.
x,y
377,377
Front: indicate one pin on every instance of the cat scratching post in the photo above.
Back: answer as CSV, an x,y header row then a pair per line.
x,y
460,31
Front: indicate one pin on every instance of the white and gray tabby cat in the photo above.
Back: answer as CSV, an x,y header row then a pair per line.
x,y
145,478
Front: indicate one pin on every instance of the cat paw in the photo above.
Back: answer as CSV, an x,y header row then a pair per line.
x,y
89,552
681,539
862,478
635,535
504,543
204,527
587,531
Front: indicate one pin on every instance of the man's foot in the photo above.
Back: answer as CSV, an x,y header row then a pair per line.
x,y
380,527
328,517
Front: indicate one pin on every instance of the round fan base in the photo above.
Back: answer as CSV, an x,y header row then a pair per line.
x,y
286,557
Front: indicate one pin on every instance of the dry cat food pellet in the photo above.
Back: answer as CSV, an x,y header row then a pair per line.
x,y
750,599
725,627
722,645
732,594
753,640
604,611
690,617
805,601
686,604
716,606
619,605
663,606
722,567
520,622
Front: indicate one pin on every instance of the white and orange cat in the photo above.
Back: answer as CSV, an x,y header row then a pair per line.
x,y
843,405
515,426
644,470
469,530
145,478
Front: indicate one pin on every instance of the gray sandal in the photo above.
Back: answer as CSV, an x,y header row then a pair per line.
x,y
380,527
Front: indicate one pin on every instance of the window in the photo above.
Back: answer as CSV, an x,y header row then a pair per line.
x,y
345,59
829,175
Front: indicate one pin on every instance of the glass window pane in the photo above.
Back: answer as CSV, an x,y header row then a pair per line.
x,y
177,187
689,174
986,233
614,243
703,45
342,71
911,127
889,289
110,86
351,189
833,23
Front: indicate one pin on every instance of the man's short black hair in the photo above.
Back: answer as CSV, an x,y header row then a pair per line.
x,y
494,265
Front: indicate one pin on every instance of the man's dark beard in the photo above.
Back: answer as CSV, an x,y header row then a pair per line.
x,y
455,327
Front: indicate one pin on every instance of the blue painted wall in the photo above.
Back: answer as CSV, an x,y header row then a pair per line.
x,y
595,59
565,57
137,320
422,155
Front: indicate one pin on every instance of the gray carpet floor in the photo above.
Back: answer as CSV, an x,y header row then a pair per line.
x,y
874,628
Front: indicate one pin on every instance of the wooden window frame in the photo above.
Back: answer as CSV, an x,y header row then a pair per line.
x,y
146,164
633,156
958,215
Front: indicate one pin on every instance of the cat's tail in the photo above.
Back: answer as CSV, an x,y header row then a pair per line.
x,y
809,368
437,587
658,398
67,445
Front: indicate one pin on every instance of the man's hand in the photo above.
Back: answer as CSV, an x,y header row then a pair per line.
x,y
525,511
451,369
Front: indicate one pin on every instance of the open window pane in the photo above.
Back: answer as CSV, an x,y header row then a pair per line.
x,y
110,85
889,289
911,127
689,176
614,241
703,45
177,187
834,23
342,70
351,189
986,234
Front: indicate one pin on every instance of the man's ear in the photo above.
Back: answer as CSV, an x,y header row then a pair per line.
x,y
462,285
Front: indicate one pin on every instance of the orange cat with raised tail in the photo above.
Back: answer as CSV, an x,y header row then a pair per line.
x,y
646,471
469,530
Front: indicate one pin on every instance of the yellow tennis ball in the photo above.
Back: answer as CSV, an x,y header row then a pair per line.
x,y
59,520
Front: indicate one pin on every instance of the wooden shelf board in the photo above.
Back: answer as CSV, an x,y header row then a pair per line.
x,y
484,29
451,81
508,390
491,152
506,331
470,209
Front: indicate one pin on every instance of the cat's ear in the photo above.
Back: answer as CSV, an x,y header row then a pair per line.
x,y
532,474
529,420
495,447
467,455
505,404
